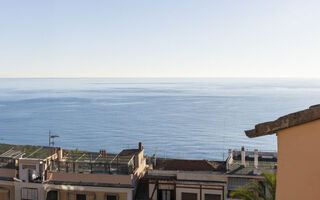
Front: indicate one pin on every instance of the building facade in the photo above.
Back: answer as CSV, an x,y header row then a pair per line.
x,y
298,137
39,173
174,179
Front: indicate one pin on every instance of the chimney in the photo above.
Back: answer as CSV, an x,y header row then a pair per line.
x,y
60,153
230,157
256,156
243,156
140,146
154,160
103,153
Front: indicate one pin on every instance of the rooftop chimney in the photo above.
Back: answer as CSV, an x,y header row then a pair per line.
x,y
230,157
103,153
243,156
60,153
140,146
256,156
154,160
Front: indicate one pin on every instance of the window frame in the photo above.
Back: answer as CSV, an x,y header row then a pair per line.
x,y
111,194
27,188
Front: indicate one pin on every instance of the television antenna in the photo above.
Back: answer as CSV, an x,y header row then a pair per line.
x,y
51,139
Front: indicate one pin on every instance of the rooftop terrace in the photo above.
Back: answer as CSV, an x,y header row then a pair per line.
x,y
9,153
25,151
75,161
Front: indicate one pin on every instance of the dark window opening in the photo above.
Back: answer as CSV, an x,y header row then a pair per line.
x,y
52,195
81,197
189,196
166,195
212,197
111,197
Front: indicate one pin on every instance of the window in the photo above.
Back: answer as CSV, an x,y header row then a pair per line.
x,y
189,196
81,197
212,197
52,195
4,193
29,194
111,197
166,195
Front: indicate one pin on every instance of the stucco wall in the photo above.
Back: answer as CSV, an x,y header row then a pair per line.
x,y
8,185
68,192
9,173
298,174
91,178
18,186
141,169
152,190
201,176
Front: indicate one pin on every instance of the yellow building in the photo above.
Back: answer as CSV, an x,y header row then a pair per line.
x,y
298,134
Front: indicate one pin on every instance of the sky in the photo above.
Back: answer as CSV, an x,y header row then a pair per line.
x,y
167,38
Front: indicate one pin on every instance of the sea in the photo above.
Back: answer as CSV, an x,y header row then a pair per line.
x,y
184,118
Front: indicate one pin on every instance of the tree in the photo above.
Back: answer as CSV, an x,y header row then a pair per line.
x,y
258,190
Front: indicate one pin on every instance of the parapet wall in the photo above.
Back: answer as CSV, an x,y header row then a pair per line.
x,y
91,178
7,173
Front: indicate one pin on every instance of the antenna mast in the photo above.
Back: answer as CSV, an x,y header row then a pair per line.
x,y
51,139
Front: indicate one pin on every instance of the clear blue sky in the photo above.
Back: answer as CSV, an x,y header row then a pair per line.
x,y
75,38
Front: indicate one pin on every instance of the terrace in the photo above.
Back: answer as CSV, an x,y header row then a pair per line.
x,y
76,167
25,151
76,161
10,153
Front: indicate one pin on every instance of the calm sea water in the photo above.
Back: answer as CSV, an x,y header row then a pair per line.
x,y
183,118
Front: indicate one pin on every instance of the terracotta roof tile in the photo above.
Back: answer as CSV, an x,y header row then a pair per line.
x,y
287,121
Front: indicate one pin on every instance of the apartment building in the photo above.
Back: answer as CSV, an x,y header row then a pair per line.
x,y
298,137
22,168
175,179
36,173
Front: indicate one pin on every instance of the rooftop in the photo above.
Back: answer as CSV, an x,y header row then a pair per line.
x,y
237,169
262,156
76,161
189,165
9,153
86,156
72,160
287,121
25,151
267,161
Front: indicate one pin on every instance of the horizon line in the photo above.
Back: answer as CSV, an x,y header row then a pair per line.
x,y
226,77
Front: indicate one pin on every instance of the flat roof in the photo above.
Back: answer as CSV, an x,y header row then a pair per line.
x,y
85,156
189,165
25,151
236,168
284,122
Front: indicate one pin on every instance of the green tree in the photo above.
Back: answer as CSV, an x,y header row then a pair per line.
x,y
258,190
